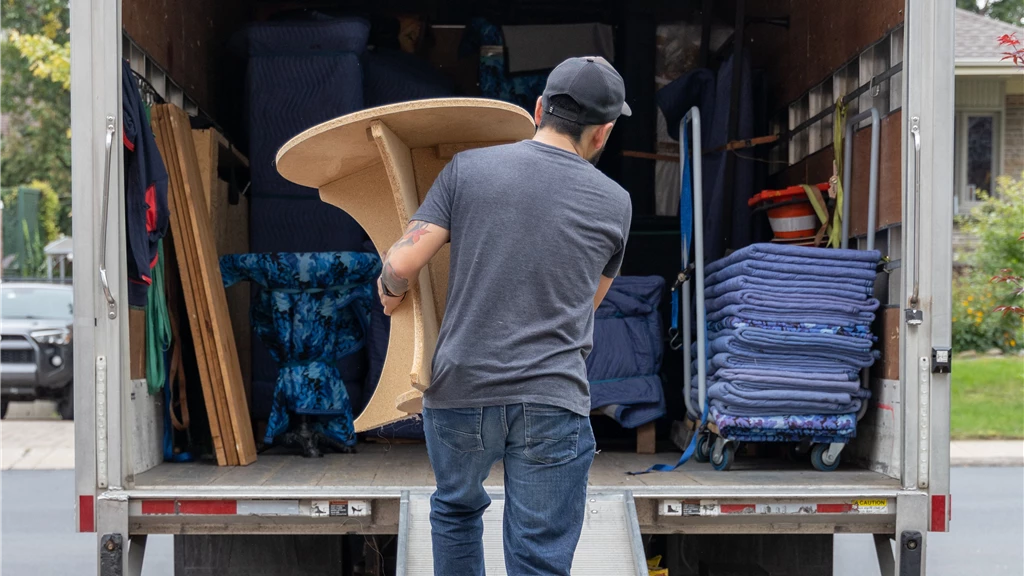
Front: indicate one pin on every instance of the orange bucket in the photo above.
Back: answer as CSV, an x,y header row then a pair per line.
x,y
790,212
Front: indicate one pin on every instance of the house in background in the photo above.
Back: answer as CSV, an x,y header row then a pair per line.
x,y
989,127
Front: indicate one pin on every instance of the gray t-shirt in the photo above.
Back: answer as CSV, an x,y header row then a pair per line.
x,y
533,228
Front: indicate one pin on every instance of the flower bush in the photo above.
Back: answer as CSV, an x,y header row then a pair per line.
x,y
984,298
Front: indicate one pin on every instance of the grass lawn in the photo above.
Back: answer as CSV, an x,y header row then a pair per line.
x,y
988,398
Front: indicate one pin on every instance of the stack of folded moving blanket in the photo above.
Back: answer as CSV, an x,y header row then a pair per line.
x,y
789,330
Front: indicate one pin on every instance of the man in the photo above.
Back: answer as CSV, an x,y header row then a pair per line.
x,y
537,235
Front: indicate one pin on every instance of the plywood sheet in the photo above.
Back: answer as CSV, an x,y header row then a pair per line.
x,y
220,434
205,282
377,165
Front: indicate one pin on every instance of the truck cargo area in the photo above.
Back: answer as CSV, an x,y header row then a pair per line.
x,y
799,58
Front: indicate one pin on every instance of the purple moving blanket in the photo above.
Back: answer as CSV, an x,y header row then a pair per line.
x,y
850,277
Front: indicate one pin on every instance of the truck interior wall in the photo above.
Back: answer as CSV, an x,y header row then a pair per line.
x,y
186,39
822,36
190,41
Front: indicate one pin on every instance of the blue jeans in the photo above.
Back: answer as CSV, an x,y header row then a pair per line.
x,y
547,453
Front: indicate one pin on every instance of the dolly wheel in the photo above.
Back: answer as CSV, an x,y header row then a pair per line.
x,y
820,458
723,460
703,452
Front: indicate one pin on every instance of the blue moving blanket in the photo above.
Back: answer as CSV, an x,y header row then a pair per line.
x,y
794,303
851,277
862,331
733,345
792,288
768,252
625,364
806,316
737,406
779,363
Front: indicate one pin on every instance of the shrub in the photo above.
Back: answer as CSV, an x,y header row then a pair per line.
x,y
975,325
978,299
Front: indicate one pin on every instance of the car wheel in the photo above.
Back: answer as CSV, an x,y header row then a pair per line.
x,y
3,408
66,403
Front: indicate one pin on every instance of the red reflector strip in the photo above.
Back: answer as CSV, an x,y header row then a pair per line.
x,y
938,513
738,508
190,507
86,514
834,508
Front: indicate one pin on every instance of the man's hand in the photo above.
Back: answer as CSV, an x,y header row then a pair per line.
x,y
389,302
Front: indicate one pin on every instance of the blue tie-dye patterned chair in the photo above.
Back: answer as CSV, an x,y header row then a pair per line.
x,y
312,310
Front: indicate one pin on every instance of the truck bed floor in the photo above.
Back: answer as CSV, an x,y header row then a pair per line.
x,y
390,468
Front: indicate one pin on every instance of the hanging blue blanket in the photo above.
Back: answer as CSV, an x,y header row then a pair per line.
x,y
625,364
312,310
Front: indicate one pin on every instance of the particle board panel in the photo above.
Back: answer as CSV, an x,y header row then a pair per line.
x,y
368,164
221,436
398,165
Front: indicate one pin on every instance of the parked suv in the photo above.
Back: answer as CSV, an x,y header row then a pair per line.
x,y
35,345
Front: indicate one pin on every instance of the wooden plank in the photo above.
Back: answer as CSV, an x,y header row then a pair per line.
x,y
189,259
137,342
206,156
230,226
646,439
212,290
221,436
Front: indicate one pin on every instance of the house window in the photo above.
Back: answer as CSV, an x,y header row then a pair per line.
x,y
977,141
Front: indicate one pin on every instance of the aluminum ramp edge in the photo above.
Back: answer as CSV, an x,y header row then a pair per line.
x,y
609,544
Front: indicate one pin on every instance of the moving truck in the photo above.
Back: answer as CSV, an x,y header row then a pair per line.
x,y
367,512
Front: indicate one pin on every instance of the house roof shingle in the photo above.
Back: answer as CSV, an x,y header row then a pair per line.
x,y
977,36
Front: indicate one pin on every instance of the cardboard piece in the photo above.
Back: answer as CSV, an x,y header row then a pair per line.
x,y
377,165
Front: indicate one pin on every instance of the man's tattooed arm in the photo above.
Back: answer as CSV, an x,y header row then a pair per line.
x,y
416,231
403,261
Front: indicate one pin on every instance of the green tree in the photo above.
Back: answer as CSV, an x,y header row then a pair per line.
x,y
1011,11
35,98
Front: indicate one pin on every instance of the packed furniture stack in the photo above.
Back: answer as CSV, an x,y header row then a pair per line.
x,y
789,332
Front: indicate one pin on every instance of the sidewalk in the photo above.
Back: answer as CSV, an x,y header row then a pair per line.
x,y
37,445
986,453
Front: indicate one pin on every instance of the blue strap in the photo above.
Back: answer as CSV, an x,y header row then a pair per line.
x,y
687,454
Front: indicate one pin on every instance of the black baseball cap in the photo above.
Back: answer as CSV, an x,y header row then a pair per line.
x,y
593,84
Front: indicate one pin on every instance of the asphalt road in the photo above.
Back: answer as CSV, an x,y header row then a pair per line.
x,y
37,536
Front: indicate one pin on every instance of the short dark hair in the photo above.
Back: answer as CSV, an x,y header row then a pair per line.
x,y
568,128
